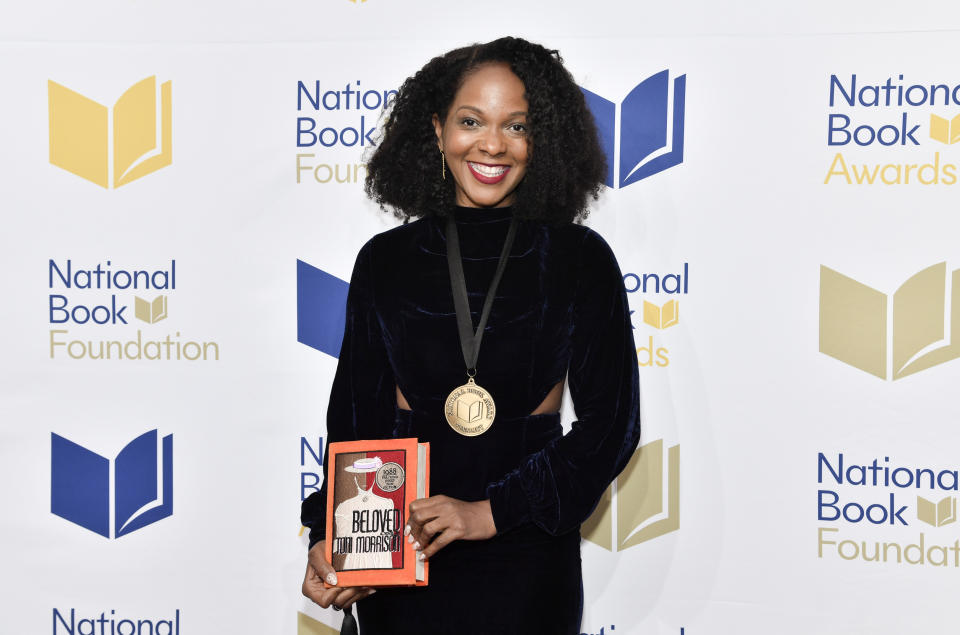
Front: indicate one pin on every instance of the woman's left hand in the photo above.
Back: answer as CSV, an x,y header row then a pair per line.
x,y
437,521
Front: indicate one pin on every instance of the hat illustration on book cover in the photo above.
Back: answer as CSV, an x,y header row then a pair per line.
x,y
363,466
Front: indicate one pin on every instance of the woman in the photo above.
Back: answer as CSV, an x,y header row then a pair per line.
x,y
493,148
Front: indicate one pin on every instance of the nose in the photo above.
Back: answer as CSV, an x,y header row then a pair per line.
x,y
492,141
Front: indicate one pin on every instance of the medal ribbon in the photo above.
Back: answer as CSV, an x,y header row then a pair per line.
x,y
470,340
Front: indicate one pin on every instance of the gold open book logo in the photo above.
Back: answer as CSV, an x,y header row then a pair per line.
x,y
469,408
854,326
945,130
937,514
646,496
151,312
661,317
81,131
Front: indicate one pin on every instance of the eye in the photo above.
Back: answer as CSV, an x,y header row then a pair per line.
x,y
518,128
469,122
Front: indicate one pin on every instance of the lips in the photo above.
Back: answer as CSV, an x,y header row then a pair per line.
x,y
488,174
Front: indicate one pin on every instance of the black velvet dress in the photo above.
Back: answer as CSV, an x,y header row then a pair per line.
x,y
560,311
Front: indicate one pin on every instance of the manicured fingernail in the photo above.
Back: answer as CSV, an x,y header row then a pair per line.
x,y
332,578
420,556
372,591
416,546
410,539
406,530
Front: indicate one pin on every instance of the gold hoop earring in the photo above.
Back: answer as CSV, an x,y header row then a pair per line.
x,y
443,165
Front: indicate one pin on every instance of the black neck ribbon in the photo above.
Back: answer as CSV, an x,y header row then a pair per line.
x,y
470,339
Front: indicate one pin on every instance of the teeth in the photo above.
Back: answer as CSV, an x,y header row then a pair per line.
x,y
488,170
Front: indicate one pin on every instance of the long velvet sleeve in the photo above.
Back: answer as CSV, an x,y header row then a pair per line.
x,y
558,487
362,396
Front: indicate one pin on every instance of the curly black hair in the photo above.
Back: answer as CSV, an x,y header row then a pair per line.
x,y
566,167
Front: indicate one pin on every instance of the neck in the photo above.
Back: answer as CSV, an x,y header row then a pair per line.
x,y
481,214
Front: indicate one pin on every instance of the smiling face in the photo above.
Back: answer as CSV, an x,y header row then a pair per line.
x,y
484,137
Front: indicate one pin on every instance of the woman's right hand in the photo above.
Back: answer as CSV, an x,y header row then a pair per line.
x,y
318,571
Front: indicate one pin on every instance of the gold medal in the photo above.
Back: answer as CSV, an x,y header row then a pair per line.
x,y
469,409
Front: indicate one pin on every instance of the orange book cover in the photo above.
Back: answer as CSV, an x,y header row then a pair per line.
x,y
370,485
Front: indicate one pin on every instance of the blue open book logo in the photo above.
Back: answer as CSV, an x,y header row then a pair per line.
x,y
141,494
321,309
651,129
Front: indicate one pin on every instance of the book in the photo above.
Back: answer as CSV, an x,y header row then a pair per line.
x,y
646,496
370,485
945,130
321,308
142,494
80,133
151,312
650,124
661,318
924,328
937,514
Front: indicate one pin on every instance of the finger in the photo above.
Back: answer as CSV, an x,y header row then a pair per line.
x,y
415,539
441,541
411,530
418,518
347,596
312,586
411,526
314,589
431,529
420,538
426,508
416,535
362,592
423,504
343,596
329,596
318,561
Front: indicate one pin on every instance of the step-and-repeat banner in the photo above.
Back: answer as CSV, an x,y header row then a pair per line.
x,y
180,222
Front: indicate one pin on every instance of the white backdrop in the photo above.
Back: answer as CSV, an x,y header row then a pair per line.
x,y
758,415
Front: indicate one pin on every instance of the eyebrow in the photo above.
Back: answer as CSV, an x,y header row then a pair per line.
x,y
515,113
